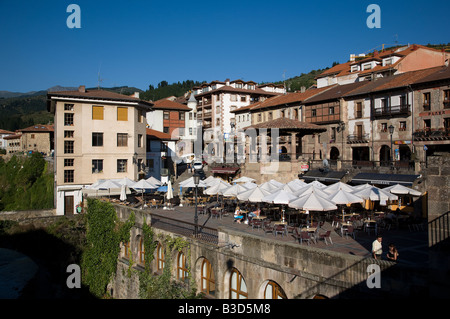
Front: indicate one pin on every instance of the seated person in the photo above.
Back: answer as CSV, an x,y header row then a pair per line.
x,y
237,215
255,213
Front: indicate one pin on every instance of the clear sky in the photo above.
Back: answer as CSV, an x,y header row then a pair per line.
x,y
138,43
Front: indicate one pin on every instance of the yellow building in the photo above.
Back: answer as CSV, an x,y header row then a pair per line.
x,y
98,135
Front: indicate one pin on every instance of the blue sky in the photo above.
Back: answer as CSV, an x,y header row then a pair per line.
x,y
138,43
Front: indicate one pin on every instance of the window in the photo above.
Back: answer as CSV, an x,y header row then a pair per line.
x,y
122,139
426,101
238,287
97,166
140,115
166,115
427,124
446,99
331,110
233,97
402,126
150,164
313,112
217,122
384,127
270,116
97,139
122,165
358,110
32,136
140,139
141,251
166,129
68,176
182,270
208,283
273,291
68,107
359,131
367,66
68,147
181,116
126,250
97,112
122,114
333,134
68,162
238,85
68,119
243,99
68,134
259,117
160,261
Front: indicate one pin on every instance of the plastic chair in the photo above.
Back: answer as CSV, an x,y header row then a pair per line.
x,y
279,229
326,235
305,236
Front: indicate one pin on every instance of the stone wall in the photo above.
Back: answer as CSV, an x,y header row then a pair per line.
x,y
301,271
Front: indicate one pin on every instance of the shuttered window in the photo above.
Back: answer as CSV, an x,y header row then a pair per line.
x,y
122,114
97,112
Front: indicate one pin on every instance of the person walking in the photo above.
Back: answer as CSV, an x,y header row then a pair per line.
x,y
392,253
377,248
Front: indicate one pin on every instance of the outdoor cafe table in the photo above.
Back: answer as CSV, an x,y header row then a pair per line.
x,y
309,229
259,217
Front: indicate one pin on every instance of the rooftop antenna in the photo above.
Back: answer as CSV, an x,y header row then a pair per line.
x,y
99,79
284,81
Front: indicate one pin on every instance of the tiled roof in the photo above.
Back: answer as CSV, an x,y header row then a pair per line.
x,y
336,92
393,82
165,104
38,128
287,124
228,88
284,99
98,94
441,73
338,70
157,135
5,132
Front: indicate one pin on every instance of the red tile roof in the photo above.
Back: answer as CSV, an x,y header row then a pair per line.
x,y
157,135
165,104
5,132
287,124
38,128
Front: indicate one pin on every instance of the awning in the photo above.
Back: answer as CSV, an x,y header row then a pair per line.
x,y
384,179
224,170
322,175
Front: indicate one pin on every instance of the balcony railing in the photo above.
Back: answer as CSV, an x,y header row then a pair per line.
x,y
431,134
391,110
358,138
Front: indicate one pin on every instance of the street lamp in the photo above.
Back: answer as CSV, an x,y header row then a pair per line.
x,y
391,131
196,177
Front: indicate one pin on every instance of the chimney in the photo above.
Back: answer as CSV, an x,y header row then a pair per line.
x,y
227,82
136,95
82,89
302,89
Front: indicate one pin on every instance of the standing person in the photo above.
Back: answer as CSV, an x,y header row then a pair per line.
x,y
392,253
377,248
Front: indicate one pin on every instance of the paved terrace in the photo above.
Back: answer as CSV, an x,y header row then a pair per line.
x,y
412,245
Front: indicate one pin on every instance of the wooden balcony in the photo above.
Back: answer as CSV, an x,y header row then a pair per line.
x,y
393,110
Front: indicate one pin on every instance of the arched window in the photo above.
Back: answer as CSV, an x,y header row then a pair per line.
x,y
273,291
182,271
141,251
160,257
207,278
238,287
126,250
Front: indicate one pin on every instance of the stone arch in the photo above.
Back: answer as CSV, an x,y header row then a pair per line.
x,y
235,286
270,289
334,153
385,155
206,278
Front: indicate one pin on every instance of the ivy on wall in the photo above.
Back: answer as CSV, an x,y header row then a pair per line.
x,y
103,237
162,286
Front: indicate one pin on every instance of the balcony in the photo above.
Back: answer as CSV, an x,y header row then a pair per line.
x,y
358,138
394,110
428,134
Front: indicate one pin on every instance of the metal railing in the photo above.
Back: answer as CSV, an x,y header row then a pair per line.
x,y
439,232
184,228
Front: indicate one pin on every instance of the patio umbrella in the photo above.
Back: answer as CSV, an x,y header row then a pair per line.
x,y
374,193
279,197
296,183
125,181
253,195
210,179
330,189
288,188
243,179
402,190
217,188
108,184
318,184
342,197
123,193
269,187
154,181
312,202
190,183
311,188
169,194
276,183
215,181
143,184
234,190
249,185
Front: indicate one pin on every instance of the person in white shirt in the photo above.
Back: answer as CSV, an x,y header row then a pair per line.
x,y
377,248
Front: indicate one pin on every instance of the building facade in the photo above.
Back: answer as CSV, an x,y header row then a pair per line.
x,y
98,135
